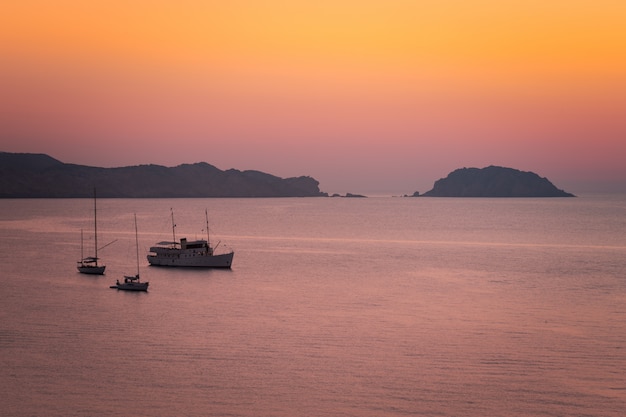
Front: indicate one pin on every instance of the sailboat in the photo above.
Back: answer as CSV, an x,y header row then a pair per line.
x,y
194,253
132,283
89,265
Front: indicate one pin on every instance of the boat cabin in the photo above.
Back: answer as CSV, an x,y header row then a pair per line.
x,y
196,244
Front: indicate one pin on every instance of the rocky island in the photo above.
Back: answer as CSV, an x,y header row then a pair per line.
x,y
25,175
493,181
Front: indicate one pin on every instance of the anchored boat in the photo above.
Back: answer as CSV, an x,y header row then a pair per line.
x,y
132,283
89,264
193,253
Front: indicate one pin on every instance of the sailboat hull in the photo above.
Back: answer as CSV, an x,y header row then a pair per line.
x,y
127,287
131,284
91,270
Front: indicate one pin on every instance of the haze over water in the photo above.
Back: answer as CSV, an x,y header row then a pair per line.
x,y
334,307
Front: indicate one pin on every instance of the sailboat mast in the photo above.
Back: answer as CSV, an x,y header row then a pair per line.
x,y
95,226
137,243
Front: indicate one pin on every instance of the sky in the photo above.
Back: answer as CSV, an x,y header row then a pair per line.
x,y
373,97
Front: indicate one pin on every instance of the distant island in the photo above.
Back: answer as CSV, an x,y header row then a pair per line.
x,y
29,175
349,195
493,181
26,175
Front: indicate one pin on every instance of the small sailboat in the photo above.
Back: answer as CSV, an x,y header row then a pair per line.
x,y
89,264
132,283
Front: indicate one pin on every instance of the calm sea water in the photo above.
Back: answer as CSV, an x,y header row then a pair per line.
x,y
334,307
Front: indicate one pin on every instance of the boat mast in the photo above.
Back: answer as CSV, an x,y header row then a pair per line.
x,y
95,226
206,216
137,244
173,226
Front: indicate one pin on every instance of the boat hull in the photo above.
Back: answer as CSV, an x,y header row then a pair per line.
x,y
91,270
131,286
180,258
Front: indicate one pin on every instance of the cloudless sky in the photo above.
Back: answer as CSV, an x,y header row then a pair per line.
x,y
374,97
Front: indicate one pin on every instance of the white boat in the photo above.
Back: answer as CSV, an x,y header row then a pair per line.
x,y
132,283
193,253
89,264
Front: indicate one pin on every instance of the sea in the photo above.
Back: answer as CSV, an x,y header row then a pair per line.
x,y
380,306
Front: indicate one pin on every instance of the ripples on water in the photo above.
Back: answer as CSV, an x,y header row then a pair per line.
x,y
334,307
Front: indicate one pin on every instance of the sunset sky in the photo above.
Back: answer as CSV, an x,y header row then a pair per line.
x,y
373,97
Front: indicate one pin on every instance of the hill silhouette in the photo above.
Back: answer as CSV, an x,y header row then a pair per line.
x,y
494,181
25,175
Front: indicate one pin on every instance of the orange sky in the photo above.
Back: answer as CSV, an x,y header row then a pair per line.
x,y
366,96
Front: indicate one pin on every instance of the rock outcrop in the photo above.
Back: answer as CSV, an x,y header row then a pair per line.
x,y
494,181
